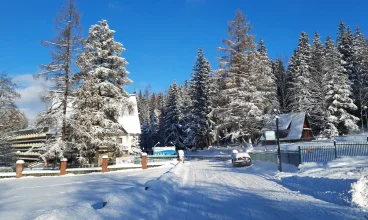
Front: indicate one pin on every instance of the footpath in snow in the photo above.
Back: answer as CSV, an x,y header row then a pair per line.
x,y
202,189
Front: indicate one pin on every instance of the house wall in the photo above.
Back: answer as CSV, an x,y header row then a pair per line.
x,y
307,131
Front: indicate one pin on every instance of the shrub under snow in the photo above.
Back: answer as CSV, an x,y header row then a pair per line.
x,y
360,192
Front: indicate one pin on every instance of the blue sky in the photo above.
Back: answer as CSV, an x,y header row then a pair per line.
x,y
162,36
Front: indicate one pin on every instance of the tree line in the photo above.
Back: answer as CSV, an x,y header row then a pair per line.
x,y
326,80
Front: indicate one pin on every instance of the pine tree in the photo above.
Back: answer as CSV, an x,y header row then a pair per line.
x,y
184,97
173,115
318,86
201,126
145,136
339,90
345,44
154,122
359,76
266,83
60,73
241,109
299,69
101,99
161,117
282,79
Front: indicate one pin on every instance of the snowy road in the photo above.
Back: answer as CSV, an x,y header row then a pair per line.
x,y
193,190
215,190
27,198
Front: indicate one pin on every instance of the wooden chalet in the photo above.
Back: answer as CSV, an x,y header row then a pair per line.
x,y
293,127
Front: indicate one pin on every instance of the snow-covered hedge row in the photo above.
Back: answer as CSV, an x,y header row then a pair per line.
x,y
359,192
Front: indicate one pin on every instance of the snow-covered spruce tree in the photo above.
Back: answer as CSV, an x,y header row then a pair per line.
x,y
161,117
338,96
185,101
318,87
173,115
60,72
154,122
11,118
145,136
185,104
240,116
299,69
345,45
282,79
266,83
140,106
201,125
101,99
359,76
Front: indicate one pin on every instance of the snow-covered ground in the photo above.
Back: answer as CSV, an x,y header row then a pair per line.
x,y
197,189
29,197
329,181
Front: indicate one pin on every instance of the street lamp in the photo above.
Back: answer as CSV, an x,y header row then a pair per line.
x,y
155,145
278,144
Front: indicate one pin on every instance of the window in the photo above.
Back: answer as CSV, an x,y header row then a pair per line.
x,y
119,140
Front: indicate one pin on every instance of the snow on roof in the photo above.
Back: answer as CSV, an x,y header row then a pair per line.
x,y
130,119
294,120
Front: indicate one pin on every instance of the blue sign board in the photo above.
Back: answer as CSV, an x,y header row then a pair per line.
x,y
164,151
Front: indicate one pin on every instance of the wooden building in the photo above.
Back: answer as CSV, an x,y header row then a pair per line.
x,y
293,127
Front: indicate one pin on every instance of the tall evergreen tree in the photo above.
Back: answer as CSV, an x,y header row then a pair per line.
x,y
282,82
101,99
299,68
161,117
345,45
359,76
154,122
266,83
173,115
201,125
60,73
240,113
318,86
338,96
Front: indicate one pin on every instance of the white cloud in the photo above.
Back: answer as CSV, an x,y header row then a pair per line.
x,y
30,90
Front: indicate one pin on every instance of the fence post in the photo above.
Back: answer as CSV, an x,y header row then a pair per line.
x,y
300,155
335,149
19,168
144,160
105,163
63,166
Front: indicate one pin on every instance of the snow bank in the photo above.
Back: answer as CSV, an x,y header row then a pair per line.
x,y
359,192
329,181
137,202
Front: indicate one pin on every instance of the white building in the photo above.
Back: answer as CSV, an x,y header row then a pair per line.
x,y
131,124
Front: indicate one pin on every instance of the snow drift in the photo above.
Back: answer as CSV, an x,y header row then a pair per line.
x,y
359,192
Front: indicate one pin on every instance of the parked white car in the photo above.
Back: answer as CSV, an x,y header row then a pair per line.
x,y
242,160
